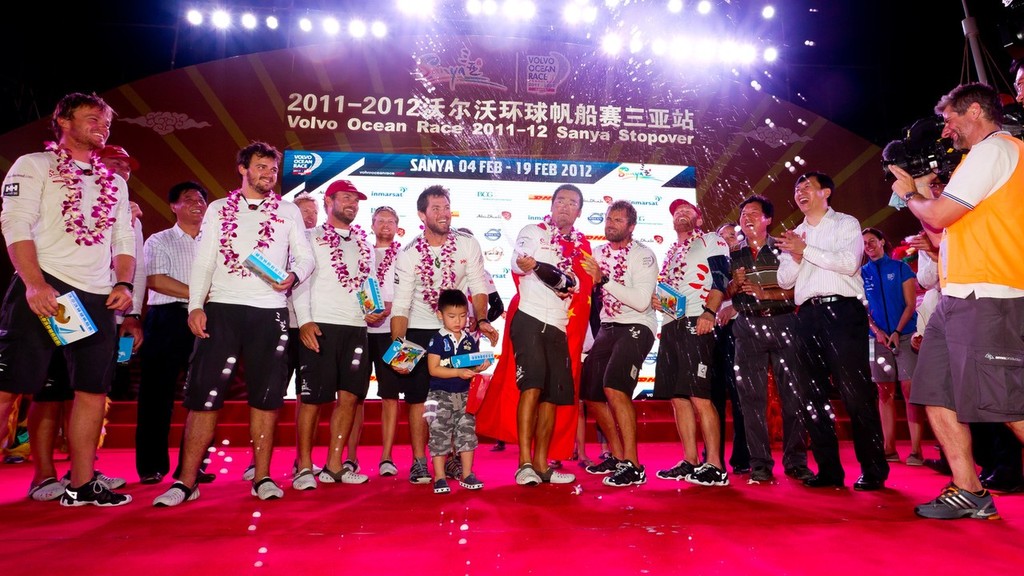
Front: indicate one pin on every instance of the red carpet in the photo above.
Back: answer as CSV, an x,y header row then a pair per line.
x,y
392,527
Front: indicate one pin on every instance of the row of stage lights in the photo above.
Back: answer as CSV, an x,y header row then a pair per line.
x,y
576,12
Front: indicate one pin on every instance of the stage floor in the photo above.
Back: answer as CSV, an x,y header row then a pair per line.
x,y
390,526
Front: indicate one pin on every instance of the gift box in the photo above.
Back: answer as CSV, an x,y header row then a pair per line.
x,y
71,323
672,302
264,268
369,296
404,354
472,359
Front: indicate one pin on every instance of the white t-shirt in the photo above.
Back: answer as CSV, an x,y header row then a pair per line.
x,y
410,296
635,289
322,297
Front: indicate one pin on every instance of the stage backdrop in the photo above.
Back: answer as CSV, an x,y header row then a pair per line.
x,y
501,121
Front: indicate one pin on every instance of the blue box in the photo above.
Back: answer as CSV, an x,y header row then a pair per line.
x,y
672,302
404,354
124,349
369,296
470,360
71,323
264,268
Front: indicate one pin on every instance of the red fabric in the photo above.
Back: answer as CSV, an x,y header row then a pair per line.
x,y
496,417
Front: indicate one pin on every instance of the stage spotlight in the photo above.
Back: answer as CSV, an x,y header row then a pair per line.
x,y
527,9
194,17
704,7
220,19
357,28
636,44
421,8
490,7
589,13
771,54
572,13
768,12
747,54
331,25
659,47
272,22
378,29
755,85
611,44
248,20
707,50
681,49
728,51
675,6
473,7
305,24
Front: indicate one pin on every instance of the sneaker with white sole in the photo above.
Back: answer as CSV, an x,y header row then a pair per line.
x,y
441,487
677,472
708,475
527,476
471,482
418,473
955,502
177,494
47,490
250,473
93,493
607,466
267,489
553,476
627,474
914,460
304,480
387,468
352,465
345,476
111,482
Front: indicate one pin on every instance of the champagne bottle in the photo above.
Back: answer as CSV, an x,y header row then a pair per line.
x,y
555,279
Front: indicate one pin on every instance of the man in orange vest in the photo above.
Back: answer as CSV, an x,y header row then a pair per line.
x,y
971,366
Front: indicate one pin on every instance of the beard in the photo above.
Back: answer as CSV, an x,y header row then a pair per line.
x,y
439,229
342,217
616,235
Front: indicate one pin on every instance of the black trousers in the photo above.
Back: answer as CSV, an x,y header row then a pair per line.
x,y
164,356
833,343
723,387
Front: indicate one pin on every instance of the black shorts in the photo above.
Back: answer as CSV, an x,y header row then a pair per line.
x,y
542,359
26,348
615,360
341,364
684,361
416,384
260,337
57,387
389,384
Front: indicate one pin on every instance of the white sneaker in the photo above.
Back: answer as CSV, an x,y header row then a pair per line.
x,y
111,482
304,480
553,476
250,473
47,490
267,489
387,468
346,476
527,476
351,465
178,493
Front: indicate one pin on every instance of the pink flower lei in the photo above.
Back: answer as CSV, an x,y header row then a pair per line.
x,y
445,262
332,239
616,271
565,264
71,208
229,223
674,268
387,261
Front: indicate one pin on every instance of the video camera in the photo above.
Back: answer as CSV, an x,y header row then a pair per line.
x,y
922,149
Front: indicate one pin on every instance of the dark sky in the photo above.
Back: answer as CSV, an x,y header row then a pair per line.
x,y
875,67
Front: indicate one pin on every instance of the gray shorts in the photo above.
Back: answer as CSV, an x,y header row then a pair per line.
x,y
972,359
453,426
889,367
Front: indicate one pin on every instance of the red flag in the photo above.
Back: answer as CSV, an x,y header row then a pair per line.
x,y
496,417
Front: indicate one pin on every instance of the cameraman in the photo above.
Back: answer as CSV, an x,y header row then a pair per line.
x,y
970,367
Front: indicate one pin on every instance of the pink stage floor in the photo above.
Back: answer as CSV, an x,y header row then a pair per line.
x,y
392,527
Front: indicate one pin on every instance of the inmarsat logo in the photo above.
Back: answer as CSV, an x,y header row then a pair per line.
x,y
304,163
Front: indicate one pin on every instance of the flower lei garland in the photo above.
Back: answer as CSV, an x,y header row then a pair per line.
x,y
332,239
674,269
385,264
615,271
427,263
71,208
565,264
229,223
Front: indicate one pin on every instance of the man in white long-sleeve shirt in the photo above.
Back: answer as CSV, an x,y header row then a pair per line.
x,y
821,260
65,219
627,272
234,312
438,259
